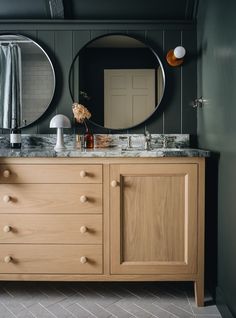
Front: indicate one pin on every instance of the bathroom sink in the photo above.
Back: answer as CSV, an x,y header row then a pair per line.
x,y
152,149
135,149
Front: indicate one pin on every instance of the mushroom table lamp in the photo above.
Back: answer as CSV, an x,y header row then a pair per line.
x,y
60,122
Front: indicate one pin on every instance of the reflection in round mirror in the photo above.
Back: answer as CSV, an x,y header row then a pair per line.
x,y
27,81
119,79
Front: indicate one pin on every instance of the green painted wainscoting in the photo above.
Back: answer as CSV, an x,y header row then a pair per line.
x,y
63,39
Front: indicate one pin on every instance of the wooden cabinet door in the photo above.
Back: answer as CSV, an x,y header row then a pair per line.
x,y
154,218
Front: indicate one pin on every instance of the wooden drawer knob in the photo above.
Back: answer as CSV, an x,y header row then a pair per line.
x,y
6,198
83,229
114,183
6,173
82,174
83,199
83,260
7,259
7,228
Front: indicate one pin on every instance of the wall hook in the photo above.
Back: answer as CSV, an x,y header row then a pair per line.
x,y
199,102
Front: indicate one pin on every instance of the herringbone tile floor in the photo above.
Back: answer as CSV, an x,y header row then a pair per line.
x,y
101,300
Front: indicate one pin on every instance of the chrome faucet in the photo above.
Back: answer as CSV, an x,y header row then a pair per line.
x,y
148,138
164,141
128,139
129,142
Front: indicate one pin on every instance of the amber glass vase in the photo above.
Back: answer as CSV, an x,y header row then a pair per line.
x,y
88,138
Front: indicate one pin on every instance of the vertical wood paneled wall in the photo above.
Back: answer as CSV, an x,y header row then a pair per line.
x,y
62,41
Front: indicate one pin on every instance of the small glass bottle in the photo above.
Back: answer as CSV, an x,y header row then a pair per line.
x,y
15,136
88,139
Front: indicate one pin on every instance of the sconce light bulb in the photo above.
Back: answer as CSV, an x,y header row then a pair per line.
x,y
179,52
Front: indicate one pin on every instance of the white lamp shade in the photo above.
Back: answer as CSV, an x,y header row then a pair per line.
x,y
179,52
60,121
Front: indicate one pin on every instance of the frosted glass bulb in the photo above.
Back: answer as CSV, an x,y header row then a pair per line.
x,y
179,52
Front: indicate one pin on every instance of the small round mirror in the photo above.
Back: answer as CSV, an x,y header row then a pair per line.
x,y
119,79
27,81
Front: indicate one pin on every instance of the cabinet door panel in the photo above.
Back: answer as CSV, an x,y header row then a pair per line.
x,y
154,219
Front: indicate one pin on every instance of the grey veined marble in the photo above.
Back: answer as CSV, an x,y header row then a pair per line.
x,y
42,146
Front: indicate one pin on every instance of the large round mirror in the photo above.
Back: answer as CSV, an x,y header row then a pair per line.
x,y
119,79
27,81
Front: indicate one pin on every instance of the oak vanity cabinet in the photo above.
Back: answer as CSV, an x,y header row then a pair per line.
x,y
50,219
102,219
157,221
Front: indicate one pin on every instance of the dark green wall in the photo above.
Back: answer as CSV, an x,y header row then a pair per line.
x,y
217,127
62,40
101,9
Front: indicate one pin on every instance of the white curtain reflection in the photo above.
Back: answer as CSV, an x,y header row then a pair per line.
x,y
10,86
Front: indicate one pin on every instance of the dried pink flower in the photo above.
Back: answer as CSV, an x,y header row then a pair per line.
x,y
80,112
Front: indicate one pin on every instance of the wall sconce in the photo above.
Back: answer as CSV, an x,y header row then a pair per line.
x,y
175,57
60,122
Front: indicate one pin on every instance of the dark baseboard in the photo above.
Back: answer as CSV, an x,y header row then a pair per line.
x,y
221,304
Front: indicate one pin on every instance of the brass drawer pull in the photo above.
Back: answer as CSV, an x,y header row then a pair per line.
x,y
83,260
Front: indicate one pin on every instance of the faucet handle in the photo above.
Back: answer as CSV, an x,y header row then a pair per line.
x,y
129,142
164,140
147,135
148,138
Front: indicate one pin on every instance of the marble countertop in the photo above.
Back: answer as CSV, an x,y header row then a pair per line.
x,y
42,146
115,152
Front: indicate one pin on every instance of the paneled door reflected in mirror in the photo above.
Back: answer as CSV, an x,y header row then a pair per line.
x,y
27,81
119,79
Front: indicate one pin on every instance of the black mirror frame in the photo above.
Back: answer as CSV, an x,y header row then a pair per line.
x,y
150,48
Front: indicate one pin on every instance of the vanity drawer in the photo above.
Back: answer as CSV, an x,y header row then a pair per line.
x,y
51,198
56,173
51,259
50,229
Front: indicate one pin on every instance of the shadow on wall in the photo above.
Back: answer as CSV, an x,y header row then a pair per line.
x,y
211,237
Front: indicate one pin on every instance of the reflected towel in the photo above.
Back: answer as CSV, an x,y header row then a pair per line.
x,y
10,86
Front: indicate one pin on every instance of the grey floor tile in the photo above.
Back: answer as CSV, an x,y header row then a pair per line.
x,y
207,316
175,310
78,311
181,303
94,308
25,314
39,311
118,312
206,310
5,313
72,300
13,304
133,309
59,311
65,290
102,300
156,311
